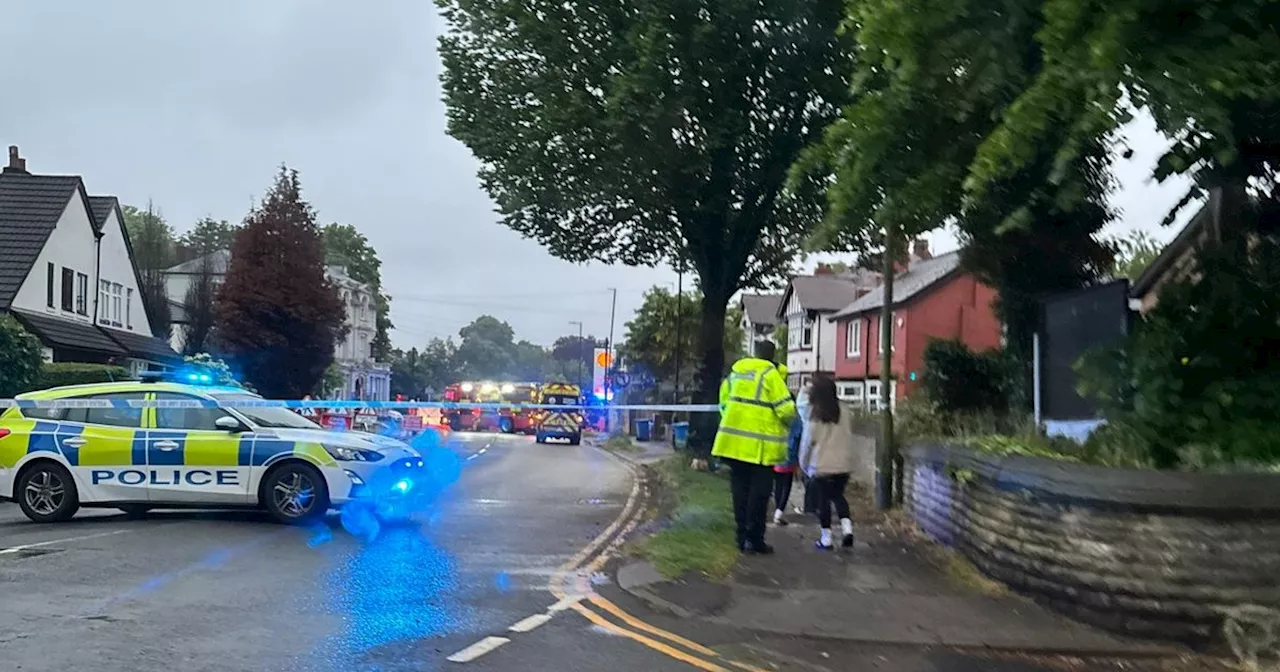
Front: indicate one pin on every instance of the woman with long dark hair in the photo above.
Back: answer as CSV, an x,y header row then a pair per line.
x,y
827,457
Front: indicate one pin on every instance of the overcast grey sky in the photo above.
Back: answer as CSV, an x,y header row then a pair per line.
x,y
193,105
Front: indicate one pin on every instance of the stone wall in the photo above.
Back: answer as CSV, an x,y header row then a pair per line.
x,y
1157,554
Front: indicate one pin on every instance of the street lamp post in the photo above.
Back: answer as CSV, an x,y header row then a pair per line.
x,y
581,354
613,310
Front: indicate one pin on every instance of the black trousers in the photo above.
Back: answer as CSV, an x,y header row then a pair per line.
x,y
829,491
750,485
782,489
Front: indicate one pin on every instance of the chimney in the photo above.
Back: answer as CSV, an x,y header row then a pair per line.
x,y
920,249
17,164
824,269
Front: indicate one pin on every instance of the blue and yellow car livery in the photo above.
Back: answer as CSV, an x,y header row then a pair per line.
x,y
95,446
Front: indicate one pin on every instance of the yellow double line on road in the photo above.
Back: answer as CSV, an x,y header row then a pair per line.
x,y
590,559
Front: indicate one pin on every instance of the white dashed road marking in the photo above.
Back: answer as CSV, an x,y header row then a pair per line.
x,y
478,649
19,549
530,623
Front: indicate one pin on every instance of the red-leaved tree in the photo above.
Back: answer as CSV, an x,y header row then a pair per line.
x,y
277,316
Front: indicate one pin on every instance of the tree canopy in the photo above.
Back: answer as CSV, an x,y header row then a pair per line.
x,y
641,132
652,344
20,358
207,236
278,317
151,238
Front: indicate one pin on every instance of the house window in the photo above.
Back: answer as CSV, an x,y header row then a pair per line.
x,y
82,294
104,301
850,392
51,278
793,332
853,338
880,334
68,289
128,309
806,337
117,298
873,395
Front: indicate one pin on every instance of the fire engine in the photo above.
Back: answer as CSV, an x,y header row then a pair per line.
x,y
507,420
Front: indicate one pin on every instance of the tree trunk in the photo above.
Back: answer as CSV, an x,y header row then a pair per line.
x,y
711,360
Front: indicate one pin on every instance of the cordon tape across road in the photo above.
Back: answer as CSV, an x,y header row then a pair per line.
x,y
330,404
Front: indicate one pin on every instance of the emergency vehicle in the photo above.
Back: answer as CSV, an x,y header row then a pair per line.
x,y
508,420
558,423
55,459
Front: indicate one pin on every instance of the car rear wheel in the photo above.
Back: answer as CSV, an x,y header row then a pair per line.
x,y
295,493
47,494
575,439
506,425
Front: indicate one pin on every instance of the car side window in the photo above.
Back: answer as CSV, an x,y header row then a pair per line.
x,y
120,416
192,419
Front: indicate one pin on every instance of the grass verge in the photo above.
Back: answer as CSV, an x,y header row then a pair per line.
x,y
698,536
620,443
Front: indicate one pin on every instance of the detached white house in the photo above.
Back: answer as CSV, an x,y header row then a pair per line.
x,y
67,272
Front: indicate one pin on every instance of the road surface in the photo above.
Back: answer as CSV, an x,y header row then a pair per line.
x,y
231,591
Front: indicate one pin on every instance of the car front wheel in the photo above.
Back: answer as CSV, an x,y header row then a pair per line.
x,y
295,493
47,494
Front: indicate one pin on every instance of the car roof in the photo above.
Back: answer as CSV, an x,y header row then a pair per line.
x,y
128,386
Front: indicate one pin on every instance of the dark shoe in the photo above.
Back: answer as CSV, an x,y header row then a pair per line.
x,y
760,548
822,547
847,541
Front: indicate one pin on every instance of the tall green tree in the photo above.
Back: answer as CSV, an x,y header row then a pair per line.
x,y
200,308
664,330
346,246
151,238
20,358
487,349
1205,70
207,236
642,132
414,372
574,357
1135,253
277,315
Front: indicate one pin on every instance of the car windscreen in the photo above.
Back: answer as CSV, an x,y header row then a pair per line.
x,y
275,417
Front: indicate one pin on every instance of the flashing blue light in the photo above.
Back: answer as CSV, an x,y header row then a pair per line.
x,y
403,485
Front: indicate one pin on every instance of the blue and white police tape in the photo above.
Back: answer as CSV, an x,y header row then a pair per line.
x,y
334,405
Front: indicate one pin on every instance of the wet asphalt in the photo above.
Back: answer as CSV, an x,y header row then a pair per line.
x,y
232,591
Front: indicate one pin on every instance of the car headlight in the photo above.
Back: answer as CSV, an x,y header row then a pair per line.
x,y
348,454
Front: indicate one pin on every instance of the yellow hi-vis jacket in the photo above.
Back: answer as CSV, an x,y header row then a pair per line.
x,y
756,410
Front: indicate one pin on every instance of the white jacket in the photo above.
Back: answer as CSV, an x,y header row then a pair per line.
x,y
828,448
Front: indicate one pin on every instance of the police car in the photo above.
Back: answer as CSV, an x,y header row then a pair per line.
x,y
55,459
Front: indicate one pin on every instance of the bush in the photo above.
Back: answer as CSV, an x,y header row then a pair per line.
x,y
1197,383
69,373
20,357
960,380
920,418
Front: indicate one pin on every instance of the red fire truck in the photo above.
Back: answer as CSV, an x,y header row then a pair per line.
x,y
506,420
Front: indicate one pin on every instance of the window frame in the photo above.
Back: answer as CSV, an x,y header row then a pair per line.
x,y
68,288
104,302
806,332
88,419
178,396
82,294
51,279
128,308
853,338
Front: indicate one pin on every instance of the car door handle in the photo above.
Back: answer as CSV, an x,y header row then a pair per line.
x,y
74,442
167,445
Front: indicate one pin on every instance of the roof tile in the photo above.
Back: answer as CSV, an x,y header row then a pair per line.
x,y
919,276
30,207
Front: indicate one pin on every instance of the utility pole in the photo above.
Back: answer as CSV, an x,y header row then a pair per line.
x,y
887,455
679,350
581,354
608,372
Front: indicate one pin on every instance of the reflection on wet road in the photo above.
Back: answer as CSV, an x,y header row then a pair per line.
x,y
231,591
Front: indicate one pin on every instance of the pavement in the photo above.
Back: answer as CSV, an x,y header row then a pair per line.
x,y
895,601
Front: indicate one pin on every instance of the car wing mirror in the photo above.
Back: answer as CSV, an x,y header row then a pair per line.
x,y
229,424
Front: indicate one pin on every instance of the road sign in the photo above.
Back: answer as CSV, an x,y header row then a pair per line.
x,y
621,379
603,359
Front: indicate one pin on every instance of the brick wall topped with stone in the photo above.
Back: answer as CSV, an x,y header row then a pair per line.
x,y
1157,554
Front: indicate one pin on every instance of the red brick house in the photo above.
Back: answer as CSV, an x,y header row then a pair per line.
x,y
932,298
